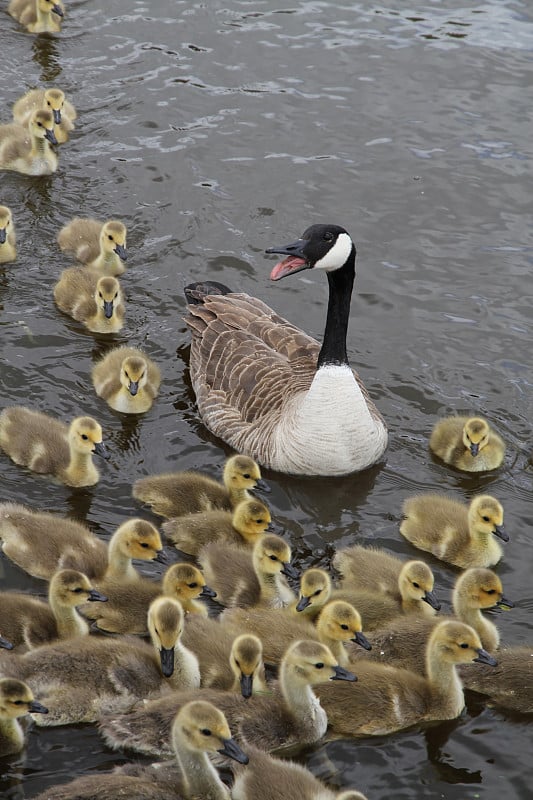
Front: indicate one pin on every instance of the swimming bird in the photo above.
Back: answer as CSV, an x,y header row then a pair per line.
x,y
29,622
243,527
8,250
467,443
99,245
174,494
464,536
46,445
127,380
52,99
38,16
510,685
269,389
27,149
290,716
243,578
95,300
78,677
388,699
16,700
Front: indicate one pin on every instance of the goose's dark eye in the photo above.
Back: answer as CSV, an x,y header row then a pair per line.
x,y
246,475
192,585
206,732
19,703
100,295
77,590
259,521
491,591
84,436
344,627
320,665
273,558
464,645
110,237
416,585
318,591
328,237
144,544
485,519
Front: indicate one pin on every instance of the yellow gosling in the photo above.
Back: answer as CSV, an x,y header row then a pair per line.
x,y
38,16
16,700
8,251
27,149
127,380
96,301
51,99
99,245
467,443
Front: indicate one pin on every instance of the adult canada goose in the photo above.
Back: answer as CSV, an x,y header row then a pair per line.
x,y
96,301
229,661
174,494
16,700
77,678
27,149
388,699
28,622
511,685
290,716
243,578
198,729
190,533
404,642
128,601
51,99
46,445
467,443
38,16
269,389
99,245
458,534
338,623
41,543
127,380
8,250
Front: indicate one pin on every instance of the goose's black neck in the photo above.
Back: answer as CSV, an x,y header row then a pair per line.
x,y
333,350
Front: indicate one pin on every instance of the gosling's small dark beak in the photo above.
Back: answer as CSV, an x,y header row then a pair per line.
x,y
108,308
361,640
121,252
5,644
57,116
166,654
161,557
247,682
342,674
100,449
50,135
485,658
262,486
303,603
207,592
503,602
37,708
474,449
3,235
133,388
58,10
290,571
501,533
270,528
232,750
430,598
94,595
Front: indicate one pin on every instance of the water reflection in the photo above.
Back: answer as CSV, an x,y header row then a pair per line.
x,y
46,54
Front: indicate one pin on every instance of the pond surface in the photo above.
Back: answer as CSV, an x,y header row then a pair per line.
x,y
215,130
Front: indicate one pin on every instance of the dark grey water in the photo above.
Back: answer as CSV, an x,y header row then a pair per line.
x,y
215,130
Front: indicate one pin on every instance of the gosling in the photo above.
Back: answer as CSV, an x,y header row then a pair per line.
x,y
98,245
38,16
16,700
27,150
127,380
8,251
51,99
96,301
467,443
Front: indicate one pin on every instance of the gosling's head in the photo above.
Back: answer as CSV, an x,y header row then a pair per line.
x,y
69,587
85,437
54,100
165,625
246,661
113,238
476,432
457,643
185,582
315,589
486,517
41,125
271,555
138,538
241,472
311,663
416,583
203,728
251,518
479,588
5,223
16,699
108,295
341,622
133,374
50,7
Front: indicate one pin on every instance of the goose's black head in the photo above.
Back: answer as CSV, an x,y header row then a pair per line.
x,y
326,247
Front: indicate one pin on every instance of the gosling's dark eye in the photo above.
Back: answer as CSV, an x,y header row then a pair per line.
x,y
320,665
78,590
126,374
116,295
144,544
486,519
19,703
84,436
40,124
490,591
464,645
206,732
246,475
100,295
344,627
318,591
416,585
259,521
192,585
110,238
273,558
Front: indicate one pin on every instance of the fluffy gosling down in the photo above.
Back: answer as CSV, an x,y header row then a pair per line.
x,y
28,150
464,536
467,443
99,245
48,446
127,380
38,16
16,700
51,99
95,300
8,251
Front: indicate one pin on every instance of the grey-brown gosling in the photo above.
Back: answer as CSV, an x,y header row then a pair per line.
x,y
8,250
510,685
46,445
29,622
27,149
52,99
243,578
290,716
128,601
127,380
16,700
95,300
233,662
467,443
404,642
77,678
99,245
199,729
41,543
174,494
242,527
38,16
465,536
388,699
